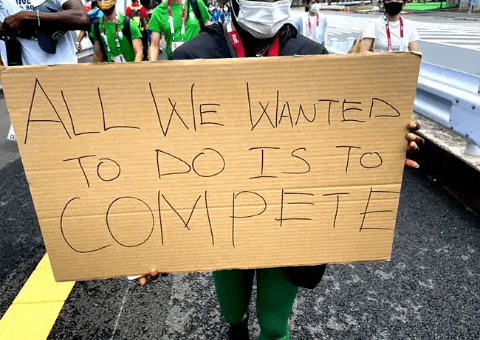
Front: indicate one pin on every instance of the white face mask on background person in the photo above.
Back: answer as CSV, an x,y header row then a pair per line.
x,y
263,19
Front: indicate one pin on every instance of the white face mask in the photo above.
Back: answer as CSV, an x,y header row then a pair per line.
x,y
263,19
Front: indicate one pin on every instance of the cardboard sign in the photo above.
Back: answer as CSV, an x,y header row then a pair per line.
x,y
213,164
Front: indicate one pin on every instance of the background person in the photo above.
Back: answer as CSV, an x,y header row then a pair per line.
x,y
227,12
139,14
390,33
177,20
217,15
41,30
94,14
312,24
114,42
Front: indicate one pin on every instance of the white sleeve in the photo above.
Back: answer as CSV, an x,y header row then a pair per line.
x,y
60,3
369,31
10,8
297,22
324,35
414,36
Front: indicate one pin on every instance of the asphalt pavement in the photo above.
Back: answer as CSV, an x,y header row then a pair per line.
x,y
429,290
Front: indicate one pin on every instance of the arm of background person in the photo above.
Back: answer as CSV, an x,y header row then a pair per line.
x,y
78,43
204,13
154,45
138,48
73,17
366,44
97,53
413,46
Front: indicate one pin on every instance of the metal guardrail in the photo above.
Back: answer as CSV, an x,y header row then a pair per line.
x,y
451,98
447,96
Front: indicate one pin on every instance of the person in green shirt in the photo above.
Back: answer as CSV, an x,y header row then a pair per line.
x,y
111,44
176,19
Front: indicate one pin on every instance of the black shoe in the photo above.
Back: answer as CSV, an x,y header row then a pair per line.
x,y
239,331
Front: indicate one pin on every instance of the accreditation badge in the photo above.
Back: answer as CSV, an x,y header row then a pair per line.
x,y
176,44
119,59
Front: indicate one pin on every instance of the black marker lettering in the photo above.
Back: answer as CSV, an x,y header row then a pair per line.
x,y
282,204
286,105
234,216
302,159
160,215
202,112
329,108
350,147
185,223
71,119
338,204
81,166
263,148
375,211
208,217
193,108
134,199
350,109
375,100
104,160
375,160
105,128
160,174
65,238
29,120
221,167
264,112
300,111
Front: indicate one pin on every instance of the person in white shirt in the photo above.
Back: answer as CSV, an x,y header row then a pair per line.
x,y
390,33
41,27
312,24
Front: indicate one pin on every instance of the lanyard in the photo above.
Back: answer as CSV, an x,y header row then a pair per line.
x,y
170,19
389,38
117,40
310,24
240,50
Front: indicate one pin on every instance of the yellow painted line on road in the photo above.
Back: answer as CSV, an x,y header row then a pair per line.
x,y
35,309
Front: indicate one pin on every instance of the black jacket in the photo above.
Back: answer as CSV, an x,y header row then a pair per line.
x,y
211,43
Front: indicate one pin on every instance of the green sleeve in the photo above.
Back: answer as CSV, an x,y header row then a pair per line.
x,y
134,31
154,23
203,11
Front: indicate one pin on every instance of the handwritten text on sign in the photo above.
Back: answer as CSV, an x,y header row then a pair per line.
x,y
201,174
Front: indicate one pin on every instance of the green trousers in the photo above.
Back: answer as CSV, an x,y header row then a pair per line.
x,y
275,297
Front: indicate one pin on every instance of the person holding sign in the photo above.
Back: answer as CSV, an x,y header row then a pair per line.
x,y
390,33
179,21
117,38
258,29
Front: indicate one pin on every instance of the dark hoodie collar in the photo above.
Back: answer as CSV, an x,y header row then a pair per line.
x,y
287,32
